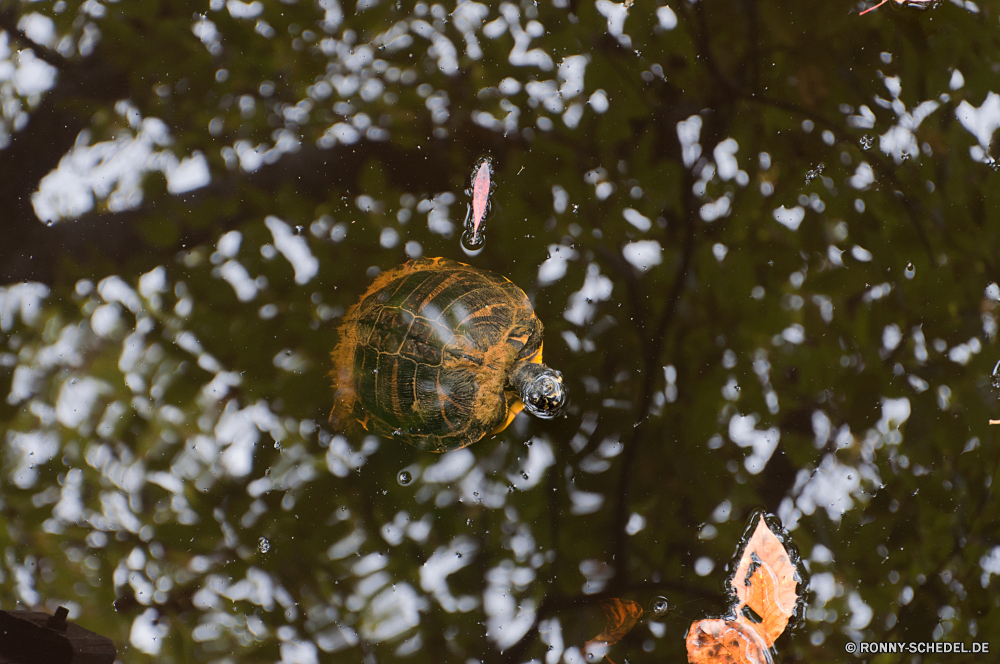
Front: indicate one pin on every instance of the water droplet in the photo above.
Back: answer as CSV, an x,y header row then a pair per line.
x,y
263,545
524,474
909,271
404,477
660,606
458,555
996,375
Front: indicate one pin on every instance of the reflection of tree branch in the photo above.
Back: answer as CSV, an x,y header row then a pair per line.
x,y
704,47
701,39
753,57
652,352
515,652
877,163
8,22
31,250
652,346
555,512
632,288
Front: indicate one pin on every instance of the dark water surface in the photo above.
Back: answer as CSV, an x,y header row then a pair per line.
x,y
763,238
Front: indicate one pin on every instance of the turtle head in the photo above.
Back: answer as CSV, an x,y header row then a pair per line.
x,y
540,388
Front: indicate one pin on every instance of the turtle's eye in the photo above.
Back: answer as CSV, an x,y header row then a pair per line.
x,y
545,396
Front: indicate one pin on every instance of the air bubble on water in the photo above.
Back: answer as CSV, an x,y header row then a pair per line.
x,y
263,545
472,243
404,477
524,474
660,606
867,141
996,375
909,271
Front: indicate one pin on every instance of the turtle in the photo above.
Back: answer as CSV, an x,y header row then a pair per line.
x,y
440,354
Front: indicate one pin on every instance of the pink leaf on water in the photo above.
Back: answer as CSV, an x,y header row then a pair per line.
x,y
480,195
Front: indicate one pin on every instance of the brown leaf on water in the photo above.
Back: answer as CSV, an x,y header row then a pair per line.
x,y
622,615
765,581
717,641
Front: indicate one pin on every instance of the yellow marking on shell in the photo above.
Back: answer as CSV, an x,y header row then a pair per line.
x,y
396,406
440,288
518,405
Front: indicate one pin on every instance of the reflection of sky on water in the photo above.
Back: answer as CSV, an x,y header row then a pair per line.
x,y
111,170
150,320
387,606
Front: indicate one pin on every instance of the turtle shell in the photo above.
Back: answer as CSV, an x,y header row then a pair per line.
x,y
425,355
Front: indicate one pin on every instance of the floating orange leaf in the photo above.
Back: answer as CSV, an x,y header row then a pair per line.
x,y
764,582
717,641
622,615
